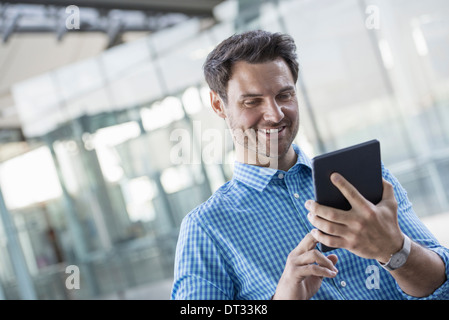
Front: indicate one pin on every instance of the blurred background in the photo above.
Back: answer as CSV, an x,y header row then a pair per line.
x,y
96,96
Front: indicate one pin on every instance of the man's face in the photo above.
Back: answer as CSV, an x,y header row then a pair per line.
x,y
262,108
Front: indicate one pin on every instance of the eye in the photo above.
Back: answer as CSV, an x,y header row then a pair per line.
x,y
285,96
250,103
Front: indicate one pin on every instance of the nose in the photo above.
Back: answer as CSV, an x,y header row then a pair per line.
x,y
273,112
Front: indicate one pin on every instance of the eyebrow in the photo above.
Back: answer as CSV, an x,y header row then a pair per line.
x,y
288,88
251,95
254,95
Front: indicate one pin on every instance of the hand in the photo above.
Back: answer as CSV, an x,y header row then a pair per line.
x,y
367,230
304,271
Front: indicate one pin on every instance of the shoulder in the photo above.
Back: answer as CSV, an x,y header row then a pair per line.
x,y
216,204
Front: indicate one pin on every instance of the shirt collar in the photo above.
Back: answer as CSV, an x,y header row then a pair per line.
x,y
259,177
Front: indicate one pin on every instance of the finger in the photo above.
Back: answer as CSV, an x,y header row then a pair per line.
x,y
388,197
328,240
306,244
333,258
315,270
388,190
314,257
314,263
348,190
325,212
329,227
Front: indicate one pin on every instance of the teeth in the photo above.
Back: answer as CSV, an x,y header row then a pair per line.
x,y
271,130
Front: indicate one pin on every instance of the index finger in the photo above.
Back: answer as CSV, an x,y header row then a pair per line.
x,y
347,189
306,244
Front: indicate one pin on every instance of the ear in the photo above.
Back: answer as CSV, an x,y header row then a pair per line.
x,y
217,104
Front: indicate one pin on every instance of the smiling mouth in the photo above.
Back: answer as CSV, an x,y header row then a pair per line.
x,y
272,130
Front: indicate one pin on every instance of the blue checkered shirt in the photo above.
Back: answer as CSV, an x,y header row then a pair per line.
x,y
235,244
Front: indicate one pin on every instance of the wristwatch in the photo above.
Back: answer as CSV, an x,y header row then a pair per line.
x,y
398,259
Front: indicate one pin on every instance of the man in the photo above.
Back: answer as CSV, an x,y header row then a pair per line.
x,y
256,236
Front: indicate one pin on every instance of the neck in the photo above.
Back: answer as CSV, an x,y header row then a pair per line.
x,y
282,162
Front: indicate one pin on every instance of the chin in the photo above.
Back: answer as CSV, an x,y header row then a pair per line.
x,y
278,152
281,152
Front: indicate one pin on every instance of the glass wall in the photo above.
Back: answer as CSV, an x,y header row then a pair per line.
x,y
120,144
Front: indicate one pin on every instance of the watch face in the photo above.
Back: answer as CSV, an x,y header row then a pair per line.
x,y
398,260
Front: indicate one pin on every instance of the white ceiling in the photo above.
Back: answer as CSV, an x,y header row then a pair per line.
x,y
28,55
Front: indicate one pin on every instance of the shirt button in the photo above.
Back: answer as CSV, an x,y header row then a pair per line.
x,y
296,196
343,283
280,175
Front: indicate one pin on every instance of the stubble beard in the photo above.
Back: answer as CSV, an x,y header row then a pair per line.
x,y
258,149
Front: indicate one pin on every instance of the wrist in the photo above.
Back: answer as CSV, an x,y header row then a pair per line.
x,y
388,252
398,259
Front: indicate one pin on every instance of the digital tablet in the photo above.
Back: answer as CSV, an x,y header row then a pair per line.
x,y
360,164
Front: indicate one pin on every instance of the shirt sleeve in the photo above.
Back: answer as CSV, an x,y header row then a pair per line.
x,y
418,232
200,271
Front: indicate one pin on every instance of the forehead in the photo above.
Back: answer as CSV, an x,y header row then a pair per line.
x,y
259,78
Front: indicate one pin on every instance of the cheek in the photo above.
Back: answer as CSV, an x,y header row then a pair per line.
x,y
292,113
245,119
251,118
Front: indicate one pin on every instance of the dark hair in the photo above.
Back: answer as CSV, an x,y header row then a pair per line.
x,y
253,47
